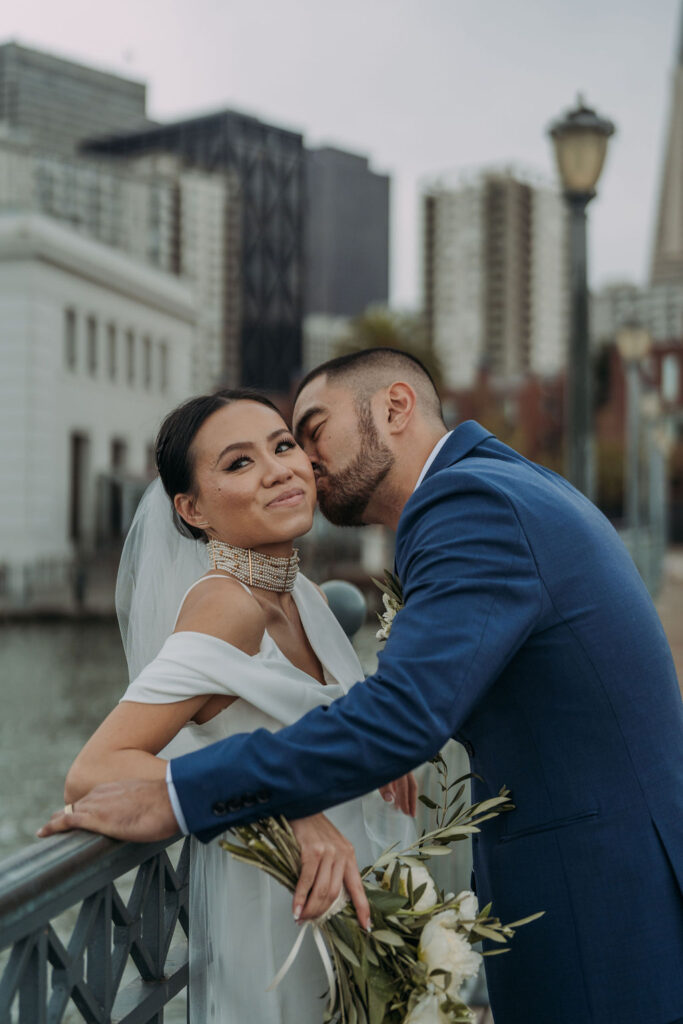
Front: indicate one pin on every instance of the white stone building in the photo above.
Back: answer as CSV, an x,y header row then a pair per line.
x,y
180,220
495,275
95,349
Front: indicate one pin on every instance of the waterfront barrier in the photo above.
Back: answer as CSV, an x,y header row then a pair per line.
x,y
118,926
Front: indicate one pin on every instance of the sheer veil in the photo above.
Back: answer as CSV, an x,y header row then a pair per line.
x,y
157,566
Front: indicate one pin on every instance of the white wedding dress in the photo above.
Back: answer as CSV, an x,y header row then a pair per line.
x,y
241,924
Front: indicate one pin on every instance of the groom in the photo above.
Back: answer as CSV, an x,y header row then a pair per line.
x,y
526,633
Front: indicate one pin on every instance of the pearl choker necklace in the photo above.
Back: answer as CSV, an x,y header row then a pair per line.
x,y
251,567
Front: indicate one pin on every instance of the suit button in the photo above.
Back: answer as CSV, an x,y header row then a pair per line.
x,y
220,808
234,805
469,748
262,798
248,800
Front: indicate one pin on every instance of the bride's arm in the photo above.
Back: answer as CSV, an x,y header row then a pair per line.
x,y
126,744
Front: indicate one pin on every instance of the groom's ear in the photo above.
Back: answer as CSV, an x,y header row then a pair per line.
x,y
401,402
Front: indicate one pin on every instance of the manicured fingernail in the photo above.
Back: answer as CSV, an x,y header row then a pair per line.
x,y
297,913
368,926
40,832
389,798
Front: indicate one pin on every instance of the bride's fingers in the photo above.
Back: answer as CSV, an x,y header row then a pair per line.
x,y
356,891
321,895
309,869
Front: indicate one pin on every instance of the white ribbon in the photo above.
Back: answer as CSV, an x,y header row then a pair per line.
x,y
338,905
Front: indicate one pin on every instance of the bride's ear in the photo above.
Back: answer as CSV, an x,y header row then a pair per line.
x,y
186,507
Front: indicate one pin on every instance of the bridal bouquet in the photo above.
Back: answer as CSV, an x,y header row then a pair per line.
x,y
411,967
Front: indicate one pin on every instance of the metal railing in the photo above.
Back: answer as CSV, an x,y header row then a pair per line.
x,y
117,926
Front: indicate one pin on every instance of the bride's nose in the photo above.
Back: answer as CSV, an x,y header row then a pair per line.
x,y
275,471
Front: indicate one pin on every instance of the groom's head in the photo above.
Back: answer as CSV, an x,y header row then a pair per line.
x,y
368,422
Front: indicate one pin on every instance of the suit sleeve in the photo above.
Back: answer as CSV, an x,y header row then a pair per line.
x,y
472,596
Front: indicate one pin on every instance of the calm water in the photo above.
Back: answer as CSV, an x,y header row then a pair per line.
x,y
57,682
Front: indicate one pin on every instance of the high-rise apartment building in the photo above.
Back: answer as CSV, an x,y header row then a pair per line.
x,y
347,234
181,220
495,276
56,102
268,164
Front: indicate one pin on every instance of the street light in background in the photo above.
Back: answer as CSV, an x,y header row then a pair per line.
x,y
634,343
580,142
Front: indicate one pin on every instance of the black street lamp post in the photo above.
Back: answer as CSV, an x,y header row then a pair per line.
x,y
580,141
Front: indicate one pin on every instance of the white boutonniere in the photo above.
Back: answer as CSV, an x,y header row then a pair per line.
x,y
392,599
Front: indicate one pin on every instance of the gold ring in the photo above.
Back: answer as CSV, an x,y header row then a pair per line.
x,y
68,808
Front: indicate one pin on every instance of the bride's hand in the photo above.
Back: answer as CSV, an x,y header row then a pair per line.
x,y
403,793
328,862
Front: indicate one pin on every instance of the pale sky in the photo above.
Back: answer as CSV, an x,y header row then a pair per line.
x,y
419,86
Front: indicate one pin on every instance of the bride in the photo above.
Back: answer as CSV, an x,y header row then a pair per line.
x,y
224,635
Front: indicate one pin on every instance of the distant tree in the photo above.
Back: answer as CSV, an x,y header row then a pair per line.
x,y
379,327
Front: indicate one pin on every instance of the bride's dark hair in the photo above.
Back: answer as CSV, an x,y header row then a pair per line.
x,y
173,447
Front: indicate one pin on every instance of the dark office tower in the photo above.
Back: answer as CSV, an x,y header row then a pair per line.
x,y
347,234
56,102
269,165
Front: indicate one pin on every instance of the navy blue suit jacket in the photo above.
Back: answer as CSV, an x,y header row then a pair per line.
x,y
527,634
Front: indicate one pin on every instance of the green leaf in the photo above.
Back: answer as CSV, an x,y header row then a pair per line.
x,y
385,901
488,933
347,953
427,802
387,937
526,920
418,893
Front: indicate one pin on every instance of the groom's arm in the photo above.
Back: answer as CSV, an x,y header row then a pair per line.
x,y
472,597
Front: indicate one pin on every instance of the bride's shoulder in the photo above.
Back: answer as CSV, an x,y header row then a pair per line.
x,y
220,606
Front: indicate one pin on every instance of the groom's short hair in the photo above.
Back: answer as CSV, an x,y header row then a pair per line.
x,y
366,371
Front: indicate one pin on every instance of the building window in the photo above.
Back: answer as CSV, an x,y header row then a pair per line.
x,y
111,351
163,366
70,339
130,357
147,362
119,455
79,458
670,377
91,334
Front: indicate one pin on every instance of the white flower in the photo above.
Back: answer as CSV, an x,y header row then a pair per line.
x,y
391,606
421,876
443,948
427,1011
468,908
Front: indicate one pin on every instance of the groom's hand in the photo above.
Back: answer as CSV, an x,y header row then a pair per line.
x,y
134,809
328,862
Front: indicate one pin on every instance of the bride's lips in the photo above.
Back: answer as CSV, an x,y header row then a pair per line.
x,y
287,498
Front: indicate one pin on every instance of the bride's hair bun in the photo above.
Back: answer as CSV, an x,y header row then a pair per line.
x,y
173,447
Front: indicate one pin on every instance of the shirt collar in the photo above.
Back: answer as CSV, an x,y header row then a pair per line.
x,y
433,454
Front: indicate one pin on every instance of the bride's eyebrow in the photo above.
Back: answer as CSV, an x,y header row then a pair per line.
x,y
249,444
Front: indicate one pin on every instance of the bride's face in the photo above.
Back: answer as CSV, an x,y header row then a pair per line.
x,y
253,485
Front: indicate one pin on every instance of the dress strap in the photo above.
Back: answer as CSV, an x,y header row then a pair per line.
x,y
213,576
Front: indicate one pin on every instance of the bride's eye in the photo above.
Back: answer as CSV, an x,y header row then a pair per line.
x,y
285,445
237,463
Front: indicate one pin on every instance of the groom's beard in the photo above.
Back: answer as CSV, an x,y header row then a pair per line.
x,y
344,496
